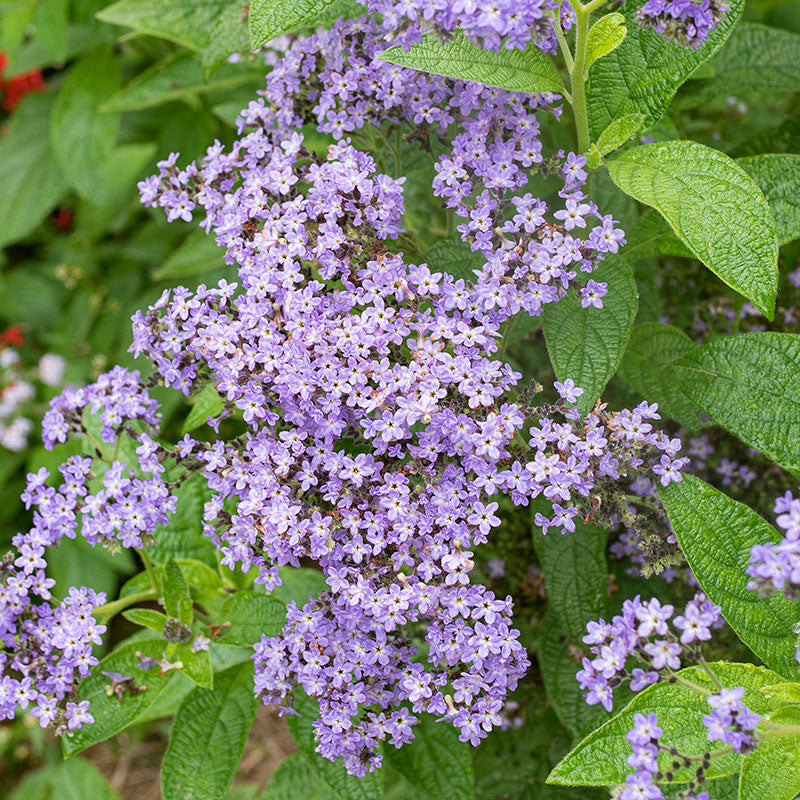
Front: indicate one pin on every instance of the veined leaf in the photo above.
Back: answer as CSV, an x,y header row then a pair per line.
x,y
750,384
586,344
716,534
778,175
208,737
270,19
528,70
251,614
642,75
716,208
452,255
601,758
205,403
295,780
604,36
177,598
649,366
772,770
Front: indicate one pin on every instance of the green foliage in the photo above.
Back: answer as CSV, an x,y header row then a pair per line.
x,y
296,780
251,614
269,20
208,737
716,209
750,385
604,36
205,403
601,758
586,344
772,770
716,535
529,70
778,175
76,779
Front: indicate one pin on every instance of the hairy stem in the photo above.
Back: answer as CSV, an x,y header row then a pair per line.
x,y
105,612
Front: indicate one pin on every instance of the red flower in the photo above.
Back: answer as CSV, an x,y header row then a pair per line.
x,y
17,86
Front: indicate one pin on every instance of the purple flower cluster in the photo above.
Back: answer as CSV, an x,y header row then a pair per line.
x,y
644,739
730,720
643,632
776,566
685,22
492,23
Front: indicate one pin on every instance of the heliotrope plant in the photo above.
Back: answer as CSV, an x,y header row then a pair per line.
x,y
359,431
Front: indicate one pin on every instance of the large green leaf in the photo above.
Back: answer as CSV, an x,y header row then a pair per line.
x,y
179,76
32,179
528,70
750,384
758,57
778,175
772,770
75,779
575,572
649,367
716,208
110,714
188,22
295,780
82,136
452,255
333,775
586,344
436,763
601,758
651,235
642,75
208,737
716,534
270,19
251,614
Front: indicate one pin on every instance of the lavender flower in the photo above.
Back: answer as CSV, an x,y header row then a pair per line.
x,y
685,22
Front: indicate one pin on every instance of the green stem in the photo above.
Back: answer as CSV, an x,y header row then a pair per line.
x,y
155,585
577,74
690,684
780,730
105,612
710,672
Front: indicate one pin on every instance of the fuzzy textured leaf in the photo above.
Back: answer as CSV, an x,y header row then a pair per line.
x,y
295,780
649,366
528,70
642,75
772,770
208,737
750,384
716,534
604,36
716,208
778,175
205,403
251,614
601,758
452,255
269,19
586,344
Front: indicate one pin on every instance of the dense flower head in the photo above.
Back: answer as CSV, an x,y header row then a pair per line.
x,y
492,23
647,633
685,22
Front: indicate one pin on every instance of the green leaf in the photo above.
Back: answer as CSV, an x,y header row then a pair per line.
x,y
76,779
716,534
601,758
586,344
452,255
758,57
750,384
208,737
32,179
187,22
177,597
295,780
333,775
716,208
110,714
642,75
196,666
772,770
183,537
197,253
251,614
179,76
270,19
618,132
205,403
82,136
778,175
783,692
299,584
651,235
575,572
146,617
604,36
556,660
649,366
435,763
528,70
230,35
